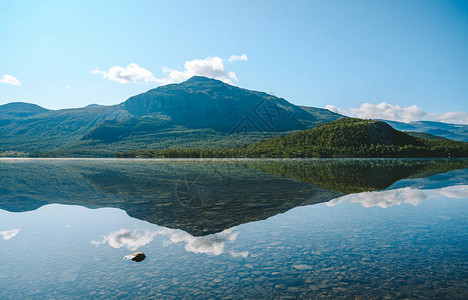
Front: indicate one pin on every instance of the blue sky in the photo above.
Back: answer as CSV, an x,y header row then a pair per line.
x,y
407,58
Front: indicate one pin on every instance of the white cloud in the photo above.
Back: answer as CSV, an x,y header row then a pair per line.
x,y
127,238
8,79
242,57
383,111
8,234
212,67
129,74
453,192
337,110
455,117
408,114
408,195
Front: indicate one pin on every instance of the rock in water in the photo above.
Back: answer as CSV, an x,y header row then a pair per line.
x,y
137,256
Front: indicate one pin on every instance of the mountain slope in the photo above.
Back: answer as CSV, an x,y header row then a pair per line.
x,y
19,109
51,129
201,102
197,112
352,137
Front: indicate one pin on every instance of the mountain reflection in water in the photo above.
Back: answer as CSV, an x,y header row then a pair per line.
x,y
201,197
240,228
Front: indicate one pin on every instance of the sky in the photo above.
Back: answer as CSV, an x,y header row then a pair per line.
x,y
402,60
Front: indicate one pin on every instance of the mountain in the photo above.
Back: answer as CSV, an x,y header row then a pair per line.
x,y
350,137
45,130
345,137
201,102
456,132
197,112
15,110
425,135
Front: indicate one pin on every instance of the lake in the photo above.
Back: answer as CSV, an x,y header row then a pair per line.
x,y
234,229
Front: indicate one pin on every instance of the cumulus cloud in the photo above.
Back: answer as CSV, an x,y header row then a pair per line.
x,y
408,195
212,67
455,117
242,57
337,110
8,79
129,74
8,234
383,111
127,238
407,114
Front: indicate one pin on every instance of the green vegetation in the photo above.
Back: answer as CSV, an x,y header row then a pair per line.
x,y
202,197
13,154
200,112
425,135
355,175
455,132
208,116
341,138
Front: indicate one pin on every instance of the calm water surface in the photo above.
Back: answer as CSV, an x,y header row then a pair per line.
x,y
234,229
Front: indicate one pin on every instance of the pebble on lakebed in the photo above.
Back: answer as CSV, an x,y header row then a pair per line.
x,y
137,256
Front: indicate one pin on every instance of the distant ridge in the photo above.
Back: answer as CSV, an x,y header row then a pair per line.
x,y
458,132
20,109
451,131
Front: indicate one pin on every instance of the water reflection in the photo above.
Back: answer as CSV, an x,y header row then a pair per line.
x,y
8,234
203,197
130,239
137,256
407,195
280,248
212,244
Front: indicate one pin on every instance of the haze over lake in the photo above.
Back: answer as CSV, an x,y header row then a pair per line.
x,y
360,228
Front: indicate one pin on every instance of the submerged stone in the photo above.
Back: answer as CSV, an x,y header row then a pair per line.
x,y
137,256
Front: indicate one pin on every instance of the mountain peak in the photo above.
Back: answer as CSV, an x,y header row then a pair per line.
x,y
20,105
199,78
202,80
202,102
21,109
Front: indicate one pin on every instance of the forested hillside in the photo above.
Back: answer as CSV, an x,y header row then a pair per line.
x,y
347,137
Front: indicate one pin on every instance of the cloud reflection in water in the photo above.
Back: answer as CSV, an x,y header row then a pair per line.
x,y
8,234
405,195
127,238
212,244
